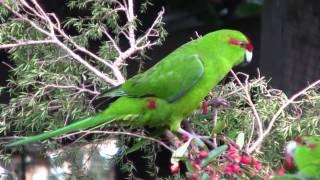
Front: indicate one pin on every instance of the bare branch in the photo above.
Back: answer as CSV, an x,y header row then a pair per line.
x,y
260,139
138,46
248,98
55,40
80,89
120,133
25,43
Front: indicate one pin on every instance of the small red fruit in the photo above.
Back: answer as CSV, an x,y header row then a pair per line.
x,y
245,160
203,154
281,171
257,165
194,176
174,168
196,166
213,177
229,169
235,168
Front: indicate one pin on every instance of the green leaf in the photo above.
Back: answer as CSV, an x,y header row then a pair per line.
x,y
179,153
205,176
218,127
189,167
199,143
213,154
240,140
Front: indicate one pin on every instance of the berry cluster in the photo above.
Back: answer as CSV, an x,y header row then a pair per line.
x,y
231,163
238,161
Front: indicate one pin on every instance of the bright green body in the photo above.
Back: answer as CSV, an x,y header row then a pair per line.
x,y
176,85
307,157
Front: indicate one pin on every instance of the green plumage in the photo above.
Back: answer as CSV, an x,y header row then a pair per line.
x,y
166,93
307,157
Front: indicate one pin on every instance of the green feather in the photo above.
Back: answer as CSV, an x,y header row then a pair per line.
x,y
307,157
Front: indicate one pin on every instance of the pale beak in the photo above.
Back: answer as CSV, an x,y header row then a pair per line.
x,y
248,56
291,146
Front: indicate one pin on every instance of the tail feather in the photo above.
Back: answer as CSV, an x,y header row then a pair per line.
x,y
89,122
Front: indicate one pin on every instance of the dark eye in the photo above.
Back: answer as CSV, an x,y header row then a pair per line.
x,y
242,44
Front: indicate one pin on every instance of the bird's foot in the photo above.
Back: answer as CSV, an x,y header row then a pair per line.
x,y
218,103
187,135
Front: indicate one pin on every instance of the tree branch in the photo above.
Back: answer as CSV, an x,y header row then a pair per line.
x,y
26,43
260,139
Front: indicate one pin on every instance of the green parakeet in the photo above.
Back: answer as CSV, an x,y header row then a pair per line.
x,y
304,154
170,90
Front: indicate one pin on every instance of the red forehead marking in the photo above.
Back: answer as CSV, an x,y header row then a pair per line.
x,y
152,104
248,46
298,140
312,146
234,41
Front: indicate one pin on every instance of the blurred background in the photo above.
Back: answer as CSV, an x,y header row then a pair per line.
x,y
285,35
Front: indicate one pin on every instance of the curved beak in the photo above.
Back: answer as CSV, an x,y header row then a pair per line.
x,y
248,57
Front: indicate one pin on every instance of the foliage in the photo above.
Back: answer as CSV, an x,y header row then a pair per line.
x,y
47,86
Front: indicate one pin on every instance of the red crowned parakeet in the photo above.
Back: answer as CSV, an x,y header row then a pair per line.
x,y
166,93
304,155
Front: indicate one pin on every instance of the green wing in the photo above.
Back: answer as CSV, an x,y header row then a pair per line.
x,y
169,80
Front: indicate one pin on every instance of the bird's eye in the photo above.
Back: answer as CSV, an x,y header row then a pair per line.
x,y
242,44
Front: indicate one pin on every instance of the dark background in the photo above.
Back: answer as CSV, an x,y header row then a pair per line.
x,y
285,34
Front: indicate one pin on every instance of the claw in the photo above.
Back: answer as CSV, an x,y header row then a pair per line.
x,y
219,102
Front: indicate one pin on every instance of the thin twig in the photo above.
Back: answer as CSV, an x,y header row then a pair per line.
x,y
260,139
25,43
121,133
248,98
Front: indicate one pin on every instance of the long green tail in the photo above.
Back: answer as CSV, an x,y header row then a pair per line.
x,y
89,122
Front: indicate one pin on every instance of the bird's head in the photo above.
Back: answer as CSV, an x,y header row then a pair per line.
x,y
232,45
244,44
289,154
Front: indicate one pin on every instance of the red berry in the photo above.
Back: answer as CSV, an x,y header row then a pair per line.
x,y
203,154
196,166
233,155
232,148
245,160
281,171
312,146
175,168
211,170
235,168
257,165
194,176
213,177
229,169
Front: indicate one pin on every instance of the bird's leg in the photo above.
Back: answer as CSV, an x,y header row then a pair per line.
x,y
174,140
185,134
218,103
